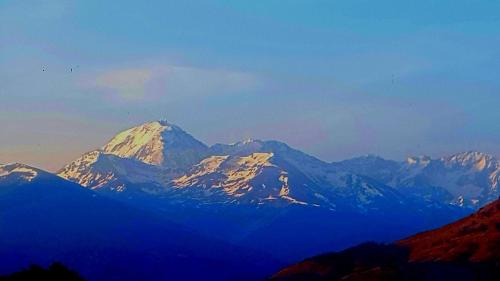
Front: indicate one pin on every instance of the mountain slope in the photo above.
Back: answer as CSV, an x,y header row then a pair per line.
x,y
261,172
44,218
468,249
97,170
475,238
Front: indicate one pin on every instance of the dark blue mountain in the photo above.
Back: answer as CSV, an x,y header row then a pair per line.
x,y
44,218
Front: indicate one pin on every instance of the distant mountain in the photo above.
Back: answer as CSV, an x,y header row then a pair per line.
x,y
158,143
371,166
469,179
271,172
468,249
160,159
44,218
149,155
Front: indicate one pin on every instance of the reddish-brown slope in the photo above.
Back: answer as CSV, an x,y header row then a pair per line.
x,y
461,250
475,238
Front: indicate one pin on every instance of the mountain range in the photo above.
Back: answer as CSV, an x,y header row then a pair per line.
x,y
161,159
155,195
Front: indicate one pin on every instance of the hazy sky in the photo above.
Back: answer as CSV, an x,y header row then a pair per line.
x,y
333,78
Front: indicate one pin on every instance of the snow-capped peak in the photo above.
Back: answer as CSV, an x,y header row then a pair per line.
x,y
143,142
151,153
157,143
79,170
472,159
22,171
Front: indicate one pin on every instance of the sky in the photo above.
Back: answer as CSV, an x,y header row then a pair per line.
x,y
335,79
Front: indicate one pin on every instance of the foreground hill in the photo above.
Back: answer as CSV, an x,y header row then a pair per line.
x,y
475,238
44,218
468,249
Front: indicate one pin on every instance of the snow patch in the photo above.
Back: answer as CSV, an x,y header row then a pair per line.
x,y
25,172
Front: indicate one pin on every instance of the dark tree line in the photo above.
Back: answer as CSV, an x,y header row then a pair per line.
x,y
55,272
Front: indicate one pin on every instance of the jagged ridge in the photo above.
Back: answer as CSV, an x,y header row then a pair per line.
x,y
162,157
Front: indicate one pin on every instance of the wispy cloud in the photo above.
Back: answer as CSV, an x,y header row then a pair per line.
x,y
171,82
127,83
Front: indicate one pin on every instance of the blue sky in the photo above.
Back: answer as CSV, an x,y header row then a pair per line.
x,y
333,78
